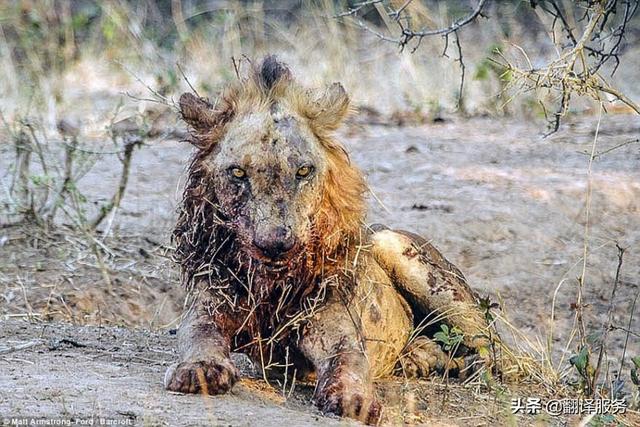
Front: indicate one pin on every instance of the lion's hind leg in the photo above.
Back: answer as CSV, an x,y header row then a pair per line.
x,y
423,356
431,284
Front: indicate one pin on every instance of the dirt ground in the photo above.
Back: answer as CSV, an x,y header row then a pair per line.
x,y
116,373
505,205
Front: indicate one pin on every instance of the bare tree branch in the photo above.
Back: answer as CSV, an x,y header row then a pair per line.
x,y
577,68
457,25
408,34
590,42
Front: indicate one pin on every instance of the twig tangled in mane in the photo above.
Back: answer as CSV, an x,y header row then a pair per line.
x,y
272,301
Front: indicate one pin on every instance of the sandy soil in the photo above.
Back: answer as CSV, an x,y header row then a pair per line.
x,y
117,373
503,204
79,372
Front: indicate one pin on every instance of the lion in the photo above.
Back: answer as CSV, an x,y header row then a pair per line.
x,y
279,263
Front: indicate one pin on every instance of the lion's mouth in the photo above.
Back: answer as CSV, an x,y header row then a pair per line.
x,y
275,264
275,267
271,265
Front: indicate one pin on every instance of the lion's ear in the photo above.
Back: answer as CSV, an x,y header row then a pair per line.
x,y
332,106
198,112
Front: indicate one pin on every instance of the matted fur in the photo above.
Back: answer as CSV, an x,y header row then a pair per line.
x,y
205,248
280,264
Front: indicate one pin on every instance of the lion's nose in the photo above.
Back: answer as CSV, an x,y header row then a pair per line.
x,y
276,242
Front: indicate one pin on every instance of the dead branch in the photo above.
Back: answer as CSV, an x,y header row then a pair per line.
x,y
408,34
353,11
38,148
577,68
628,332
184,76
122,185
19,347
21,179
69,152
609,323
623,144
597,45
158,97
460,60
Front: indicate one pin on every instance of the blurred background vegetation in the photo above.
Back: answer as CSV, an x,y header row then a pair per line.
x,y
77,59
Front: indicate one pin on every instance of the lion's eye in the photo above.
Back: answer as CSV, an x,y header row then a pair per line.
x,y
304,171
238,173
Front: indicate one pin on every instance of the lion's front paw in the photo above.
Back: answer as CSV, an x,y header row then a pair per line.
x,y
337,398
201,377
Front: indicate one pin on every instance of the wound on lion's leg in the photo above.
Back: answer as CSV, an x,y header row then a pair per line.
x,y
334,345
432,284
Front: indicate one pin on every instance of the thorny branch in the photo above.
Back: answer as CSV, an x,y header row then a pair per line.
x,y
122,185
407,34
581,57
462,70
608,326
601,47
582,52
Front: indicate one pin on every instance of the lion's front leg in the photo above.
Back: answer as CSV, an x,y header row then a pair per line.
x,y
334,345
204,365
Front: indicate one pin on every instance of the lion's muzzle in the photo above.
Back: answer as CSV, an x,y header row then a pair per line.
x,y
274,242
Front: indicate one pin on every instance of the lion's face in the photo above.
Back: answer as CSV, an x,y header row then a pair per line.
x,y
268,175
282,184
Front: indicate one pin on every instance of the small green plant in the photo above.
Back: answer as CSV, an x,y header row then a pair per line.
x,y
450,338
486,305
586,372
603,420
635,379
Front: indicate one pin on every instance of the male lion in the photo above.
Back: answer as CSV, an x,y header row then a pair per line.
x,y
279,263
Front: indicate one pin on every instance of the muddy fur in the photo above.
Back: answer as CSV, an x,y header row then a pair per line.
x,y
279,263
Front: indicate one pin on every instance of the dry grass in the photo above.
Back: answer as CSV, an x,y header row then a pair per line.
x,y
104,49
57,276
